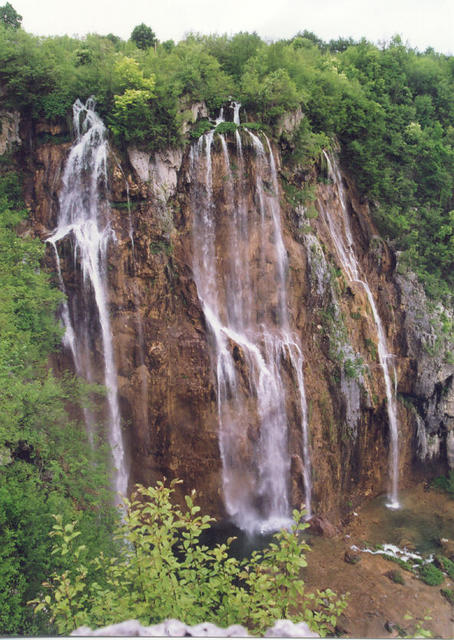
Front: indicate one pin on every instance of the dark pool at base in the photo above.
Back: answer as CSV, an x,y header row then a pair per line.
x,y
243,545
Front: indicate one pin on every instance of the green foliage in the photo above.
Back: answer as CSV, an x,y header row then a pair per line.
x,y
445,483
429,574
143,36
389,109
201,127
416,628
353,367
445,564
226,127
448,594
162,571
254,126
9,16
304,147
233,53
45,460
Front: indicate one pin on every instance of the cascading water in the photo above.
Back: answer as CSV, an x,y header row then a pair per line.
x,y
245,308
350,264
84,221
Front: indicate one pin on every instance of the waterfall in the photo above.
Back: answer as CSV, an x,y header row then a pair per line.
x,y
84,221
252,347
343,242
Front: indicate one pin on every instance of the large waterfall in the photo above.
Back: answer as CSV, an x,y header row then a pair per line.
x,y
240,270
343,241
84,227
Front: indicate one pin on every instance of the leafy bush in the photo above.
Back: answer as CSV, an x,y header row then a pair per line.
x,y
163,572
226,127
201,127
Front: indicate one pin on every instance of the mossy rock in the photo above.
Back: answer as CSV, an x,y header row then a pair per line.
x,y
351,557
395,576
448,594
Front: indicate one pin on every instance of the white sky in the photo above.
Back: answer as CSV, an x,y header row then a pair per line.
x,y
421,23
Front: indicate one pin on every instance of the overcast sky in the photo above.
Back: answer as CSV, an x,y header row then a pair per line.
x,y
421,23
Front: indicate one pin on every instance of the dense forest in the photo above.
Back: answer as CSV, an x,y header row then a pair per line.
x,y
388,110
385,106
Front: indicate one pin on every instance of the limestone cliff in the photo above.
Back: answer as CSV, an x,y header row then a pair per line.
x,y
166,379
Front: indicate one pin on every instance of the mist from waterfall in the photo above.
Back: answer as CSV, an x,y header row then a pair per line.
x,y
84,226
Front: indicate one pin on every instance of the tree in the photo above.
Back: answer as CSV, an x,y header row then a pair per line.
x,y
143,36
10,17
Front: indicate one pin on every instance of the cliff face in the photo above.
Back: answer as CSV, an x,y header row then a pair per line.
x,y
167,379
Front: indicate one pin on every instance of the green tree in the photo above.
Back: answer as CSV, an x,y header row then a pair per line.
x,y
10,17
143,36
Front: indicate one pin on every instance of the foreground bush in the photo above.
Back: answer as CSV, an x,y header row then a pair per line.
x,y
164,572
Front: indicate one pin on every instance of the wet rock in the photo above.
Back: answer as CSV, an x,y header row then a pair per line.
x,y
432,376
391,627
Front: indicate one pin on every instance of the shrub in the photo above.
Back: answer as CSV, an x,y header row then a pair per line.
x,y
200,128
163,572
226,127
429,574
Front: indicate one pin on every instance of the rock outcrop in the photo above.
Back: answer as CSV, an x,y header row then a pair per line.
x,y
166,381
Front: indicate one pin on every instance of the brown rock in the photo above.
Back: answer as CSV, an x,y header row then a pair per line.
x,y
323,527
352,557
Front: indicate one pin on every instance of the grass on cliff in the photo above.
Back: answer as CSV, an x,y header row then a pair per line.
x,y
163,571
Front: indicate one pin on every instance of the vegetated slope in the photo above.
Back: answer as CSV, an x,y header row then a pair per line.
x,y
391,108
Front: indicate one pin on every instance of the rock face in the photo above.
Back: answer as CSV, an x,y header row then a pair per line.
x,y
9,135
166,378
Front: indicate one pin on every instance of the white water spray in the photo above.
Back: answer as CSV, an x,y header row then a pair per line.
x,y
350,264
84,220
250,336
